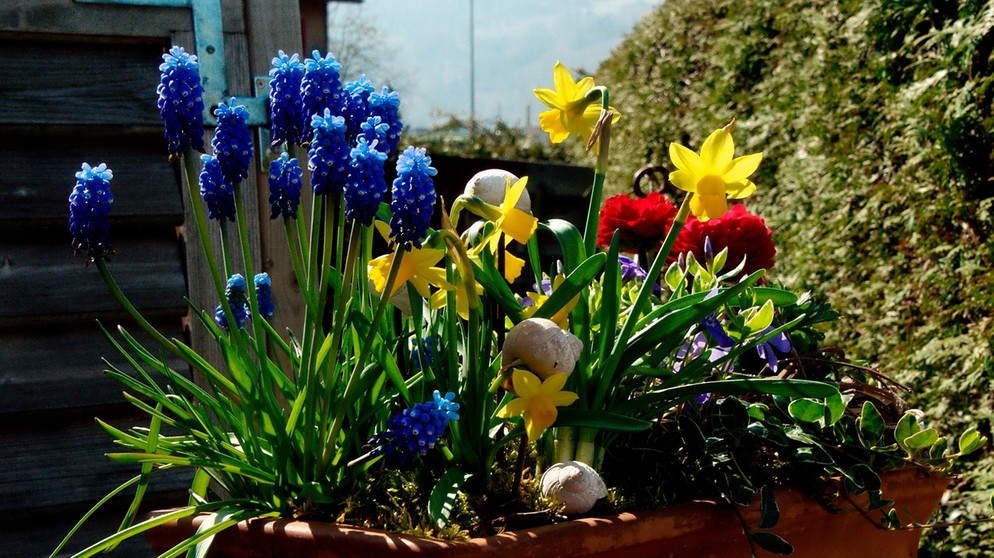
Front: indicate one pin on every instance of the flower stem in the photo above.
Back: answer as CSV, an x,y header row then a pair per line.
x,y
600,172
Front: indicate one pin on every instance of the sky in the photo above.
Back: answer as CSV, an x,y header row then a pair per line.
x,y
422,50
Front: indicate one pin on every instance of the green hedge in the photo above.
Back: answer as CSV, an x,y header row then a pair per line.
x,y
875,120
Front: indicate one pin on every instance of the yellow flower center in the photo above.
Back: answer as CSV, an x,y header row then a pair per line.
x,y
711,185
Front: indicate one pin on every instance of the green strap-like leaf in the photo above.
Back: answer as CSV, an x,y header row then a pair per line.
x,y
443,496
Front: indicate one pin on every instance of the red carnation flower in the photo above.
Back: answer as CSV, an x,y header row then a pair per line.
x,y
642,222
745,235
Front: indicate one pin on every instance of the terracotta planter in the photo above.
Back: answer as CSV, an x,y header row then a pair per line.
x,y
693,529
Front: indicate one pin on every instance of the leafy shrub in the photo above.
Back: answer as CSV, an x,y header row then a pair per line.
x,y
875,119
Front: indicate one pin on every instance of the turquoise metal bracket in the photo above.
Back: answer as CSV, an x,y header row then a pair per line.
x,y
209,37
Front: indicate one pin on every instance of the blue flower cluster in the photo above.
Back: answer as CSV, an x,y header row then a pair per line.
x,y
218,194
413,197
425,353
236,294
285,176
264,295
321,87
288,124
386,105
329,155
181,101
365,186
355,109
232,141
89,212
416,430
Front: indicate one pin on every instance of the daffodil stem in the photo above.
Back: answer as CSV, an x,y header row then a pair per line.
x,y
600,173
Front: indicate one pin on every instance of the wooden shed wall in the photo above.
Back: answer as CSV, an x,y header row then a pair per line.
x,y
77,83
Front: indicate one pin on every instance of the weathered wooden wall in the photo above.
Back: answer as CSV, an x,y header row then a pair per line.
x,y
77,83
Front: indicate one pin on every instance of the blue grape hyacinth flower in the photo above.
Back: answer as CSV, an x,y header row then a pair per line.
x,y
264,295
89,212
416,430
218,194
375,129
365,186
386,105
181,101
232,141
329,154
355,106
285,179
321,87
288,124
412,197
236,294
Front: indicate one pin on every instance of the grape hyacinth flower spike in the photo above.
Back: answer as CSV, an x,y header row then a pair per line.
x,y
236,295
386,105
328,156
355,107
288,124
285,178
181,102
232,141
321,87
218,194
412,197
365,187
89,211
414,431
264,295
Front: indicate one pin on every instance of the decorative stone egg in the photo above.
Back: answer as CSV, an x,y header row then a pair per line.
x,y
541,346
574,485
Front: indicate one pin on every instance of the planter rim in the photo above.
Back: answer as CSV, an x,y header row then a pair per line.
x,y
596,534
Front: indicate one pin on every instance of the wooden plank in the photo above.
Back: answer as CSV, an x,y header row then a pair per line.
x,y
37,532
42,163
51,460
279,30
47,369
82,83
40,281
67,17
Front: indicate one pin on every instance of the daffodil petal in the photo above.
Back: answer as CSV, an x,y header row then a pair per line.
x,y
741,189
526,384
563,398
550,123
718,150
563,81
514,407
583,86
741,167
518,225
378,269
683,180
554,383
541,414
549,98
706,208
686,160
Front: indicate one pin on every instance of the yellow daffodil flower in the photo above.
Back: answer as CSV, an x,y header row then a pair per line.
x,y
713,175
514,223
571,111
562,316
439,300
537,401
417,266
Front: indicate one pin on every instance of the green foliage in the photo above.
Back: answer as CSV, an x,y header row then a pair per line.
x,y
875,121
497,140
